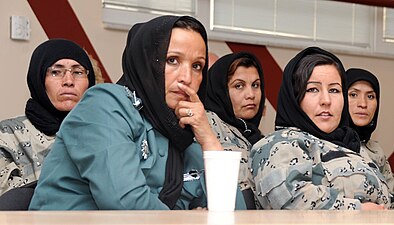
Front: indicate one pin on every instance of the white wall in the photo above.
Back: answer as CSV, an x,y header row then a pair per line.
x,y
14,58
109,44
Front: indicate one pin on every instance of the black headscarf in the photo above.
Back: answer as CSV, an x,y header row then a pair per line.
x,y
143,65
290,114
39,109
218,98
353,75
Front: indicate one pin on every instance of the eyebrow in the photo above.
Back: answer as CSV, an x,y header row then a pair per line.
x,y
182,54
61,65
355,89
317,82
258,79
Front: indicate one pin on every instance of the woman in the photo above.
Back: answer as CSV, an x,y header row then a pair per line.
x,y
234,103
364,95
312,160
130,146
59,73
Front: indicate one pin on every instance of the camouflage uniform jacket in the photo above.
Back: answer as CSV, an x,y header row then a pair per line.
x,y
232,140
295,170
22,151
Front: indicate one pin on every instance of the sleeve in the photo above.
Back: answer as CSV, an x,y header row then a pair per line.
x,y
282,173
223,132
388,175
232,140
10,174
376,153
12,148
99,135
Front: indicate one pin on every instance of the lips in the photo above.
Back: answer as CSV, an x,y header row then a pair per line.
x,y
68,94
325,114
181,94
361,114
250,106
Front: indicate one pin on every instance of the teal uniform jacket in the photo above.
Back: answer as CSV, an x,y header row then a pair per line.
x,y
107,156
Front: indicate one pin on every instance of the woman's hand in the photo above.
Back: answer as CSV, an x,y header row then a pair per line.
x,y
192,113
371,206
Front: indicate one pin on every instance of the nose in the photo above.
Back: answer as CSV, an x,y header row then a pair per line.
x,y
362,102
250,93
325,98
68,79
185,75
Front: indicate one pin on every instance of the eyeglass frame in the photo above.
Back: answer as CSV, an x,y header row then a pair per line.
x,y
64,70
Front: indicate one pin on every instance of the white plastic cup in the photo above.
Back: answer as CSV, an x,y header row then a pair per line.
x,y
221,174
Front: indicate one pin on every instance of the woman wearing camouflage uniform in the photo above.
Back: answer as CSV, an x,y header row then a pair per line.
x,y
312,160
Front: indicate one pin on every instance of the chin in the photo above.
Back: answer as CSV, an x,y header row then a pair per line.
x,y
65,108
327,130
361,123
248,116
172,102
171,105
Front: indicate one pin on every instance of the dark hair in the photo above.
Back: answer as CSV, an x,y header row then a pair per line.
x,y
304,71
243,61
190,23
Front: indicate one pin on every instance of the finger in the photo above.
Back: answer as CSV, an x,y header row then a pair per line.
x,y
183,112
189,112
189,91
181,124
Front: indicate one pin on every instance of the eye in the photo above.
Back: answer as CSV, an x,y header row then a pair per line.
x,y
352,94
238,86
371,96
334,90
78,71
256,85
197,66
56,72
172,60
312,90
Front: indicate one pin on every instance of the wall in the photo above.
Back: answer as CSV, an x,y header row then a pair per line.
x,y
109,44
15,55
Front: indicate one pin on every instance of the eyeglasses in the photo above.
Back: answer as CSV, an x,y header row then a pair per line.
x,y
60,72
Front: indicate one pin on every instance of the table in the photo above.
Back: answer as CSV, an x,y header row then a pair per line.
x,y
194,217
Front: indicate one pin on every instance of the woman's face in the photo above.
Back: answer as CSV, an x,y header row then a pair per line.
x,y
185,62
362,103
64,90
323,101
245,92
